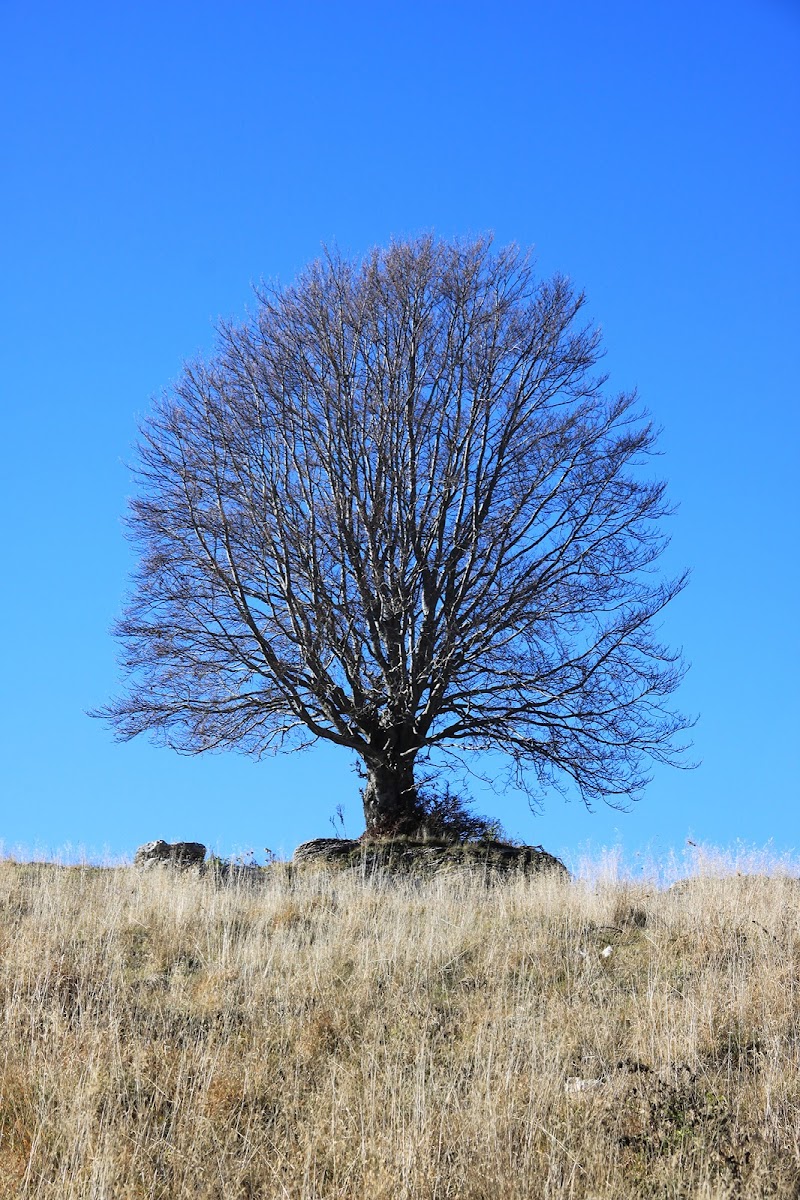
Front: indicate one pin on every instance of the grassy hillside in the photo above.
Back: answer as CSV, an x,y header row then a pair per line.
x,y
325,1037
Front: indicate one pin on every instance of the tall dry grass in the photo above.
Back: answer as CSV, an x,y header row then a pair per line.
x,y
326,1037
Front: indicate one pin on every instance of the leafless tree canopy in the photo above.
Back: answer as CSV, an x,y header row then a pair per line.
x,y
399,510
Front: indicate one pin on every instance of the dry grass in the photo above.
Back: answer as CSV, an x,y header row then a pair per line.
x,y
329,1037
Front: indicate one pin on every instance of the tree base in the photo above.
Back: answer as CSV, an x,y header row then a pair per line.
x,y
405,856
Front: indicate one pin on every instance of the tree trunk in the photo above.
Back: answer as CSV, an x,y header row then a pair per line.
x,y
391,805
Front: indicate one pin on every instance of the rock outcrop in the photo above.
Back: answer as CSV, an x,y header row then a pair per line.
x,y
176,854
401,856
390,856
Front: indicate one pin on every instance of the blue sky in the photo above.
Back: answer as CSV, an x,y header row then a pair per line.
x,y
159,159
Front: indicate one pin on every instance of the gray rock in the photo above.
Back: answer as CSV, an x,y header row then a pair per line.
x,y
325,850
177,854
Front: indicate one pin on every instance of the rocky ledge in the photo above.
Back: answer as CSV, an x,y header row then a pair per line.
x,y
405,856
389,856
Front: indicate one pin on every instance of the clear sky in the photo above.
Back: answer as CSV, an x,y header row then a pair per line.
x,y
159,159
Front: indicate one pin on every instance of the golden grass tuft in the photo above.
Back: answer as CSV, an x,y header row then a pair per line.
x,y
325,1036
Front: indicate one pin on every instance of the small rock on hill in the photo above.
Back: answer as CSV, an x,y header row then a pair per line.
x,y
177,854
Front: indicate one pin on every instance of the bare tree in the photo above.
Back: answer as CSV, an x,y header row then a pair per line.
x,y
398,511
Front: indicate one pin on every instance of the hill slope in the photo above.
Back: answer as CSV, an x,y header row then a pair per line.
x,y
326,1037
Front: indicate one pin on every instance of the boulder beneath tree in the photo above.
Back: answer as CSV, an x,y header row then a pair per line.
x,y
175,854
403,856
